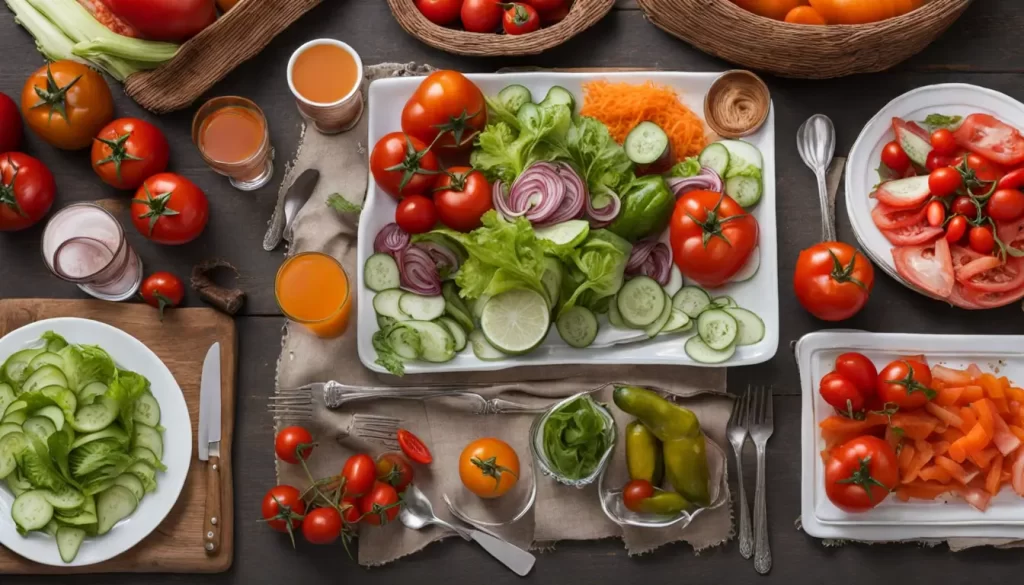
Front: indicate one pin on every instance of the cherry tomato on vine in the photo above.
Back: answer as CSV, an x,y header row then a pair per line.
x,y
1005,205
351,510
857,368
936,213
416,214
964,205
943,142
956,228
937,161
944,181
360,472
981,239
322,526
162,290
380,505
905,383
394,469
894,157
293,443
984,169
520,19
281,504
840,393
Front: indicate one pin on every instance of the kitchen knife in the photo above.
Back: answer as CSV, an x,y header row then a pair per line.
x,y
209,446
288,207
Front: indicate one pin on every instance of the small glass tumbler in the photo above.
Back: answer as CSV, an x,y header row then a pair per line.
x,y
247,168
312,289
334,117
84,244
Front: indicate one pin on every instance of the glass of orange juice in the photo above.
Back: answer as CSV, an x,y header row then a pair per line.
x,y
312,289
325,76
232,136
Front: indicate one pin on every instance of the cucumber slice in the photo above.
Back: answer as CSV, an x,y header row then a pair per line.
x,y
437,344
559,95
648,146
614,317
552,278
691,300
717,329
16,406
80,518
516,321
568,233
31,511
55,343
144,454
700,352
16,368
749,268
675,281
96,416
723,302
386,303
662,320
55,414
148,437
385,322
458,333
751,327
40,427
641,301
744,157
69,540
420,307
46,358
514,96
482,348
147,410
528,116
11,445
381,272
113,505
145,473
455,307
67,499
678,321
715,156
8,428
405,341
45,376
7,396
745,190
133,483
577,326
478,305
65,399
16,418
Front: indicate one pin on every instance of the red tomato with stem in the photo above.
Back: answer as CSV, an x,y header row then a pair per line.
x,y
981,239
956,228
442,12
351,511
322,526
165,20
895,158
1005,205
860,474
841,394
446,107
712,237
416,214
395,470
991,138
936,213
462,197
359,473
944,181
403,165
128,151
905,383
10,124
292,444
965,206
1012,180
520,19
170,209
481,16
833,280
857,368
380,505
66,103
27,190
943,142
283,507
162,290
636,492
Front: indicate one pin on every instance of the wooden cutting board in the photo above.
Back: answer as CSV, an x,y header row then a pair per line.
x,y
181,341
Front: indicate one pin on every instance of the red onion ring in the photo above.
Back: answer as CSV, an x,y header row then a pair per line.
x,y
574,203
639,254
707,179
545,194
651,259
602,216
441,255
391,239
418,272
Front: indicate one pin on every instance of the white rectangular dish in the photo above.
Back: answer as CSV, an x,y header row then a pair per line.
x,y
759,294
893,519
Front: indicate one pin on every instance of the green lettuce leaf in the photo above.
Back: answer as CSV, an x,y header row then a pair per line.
x,y
85,364
576,438
54,342
596,271
37,467
503,150
386,356
125,389
93,456
600,161
687,168
59,444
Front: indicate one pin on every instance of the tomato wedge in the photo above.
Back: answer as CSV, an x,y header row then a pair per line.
x,y
928,267
990,274
892,218
976,299
414,448
913,235
991,138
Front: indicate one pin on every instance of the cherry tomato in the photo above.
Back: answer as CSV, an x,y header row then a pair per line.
x,y
394,469
805,15
416,214
860,474
351,510
360,472
956,228
10,124
984,171
442,12
937,161
293,443
280,506
380,505
944,181
414,448
1005,205
943,142
936,213
547,5
322,526
635,492
905,383
964,205
27,190
549,17
833,280
857,368
170,209
981,239
162,290
894,157
840,393
128,151
481,16
1013,179
462,197
402,165
520,19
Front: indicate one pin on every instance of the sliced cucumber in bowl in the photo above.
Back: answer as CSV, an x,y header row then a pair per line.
x,y
385,303
421,307
577,326
641,302
717,329
700,352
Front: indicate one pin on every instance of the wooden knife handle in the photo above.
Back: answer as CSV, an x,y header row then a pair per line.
x,y
212,523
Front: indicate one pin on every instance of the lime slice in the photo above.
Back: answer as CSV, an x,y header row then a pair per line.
x,y
516,321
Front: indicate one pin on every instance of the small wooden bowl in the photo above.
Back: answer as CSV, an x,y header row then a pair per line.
x,y
755,97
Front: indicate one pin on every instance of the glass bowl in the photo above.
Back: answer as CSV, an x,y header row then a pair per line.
x,y
509,508
540,458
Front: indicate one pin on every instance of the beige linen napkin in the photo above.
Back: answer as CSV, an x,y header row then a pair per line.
x,y
560,512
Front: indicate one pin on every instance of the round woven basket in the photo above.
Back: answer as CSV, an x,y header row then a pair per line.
x,y
725,30
584,14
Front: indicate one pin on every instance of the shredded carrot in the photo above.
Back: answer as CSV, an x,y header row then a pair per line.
x,y
621,106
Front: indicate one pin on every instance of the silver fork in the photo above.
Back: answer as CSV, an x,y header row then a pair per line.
x,y
760,425
737,432
372,427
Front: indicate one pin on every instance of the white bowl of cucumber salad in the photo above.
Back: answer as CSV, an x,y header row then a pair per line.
x,y
95,441
418,315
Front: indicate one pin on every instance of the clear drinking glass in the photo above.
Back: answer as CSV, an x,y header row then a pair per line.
x,y
255,167
84,244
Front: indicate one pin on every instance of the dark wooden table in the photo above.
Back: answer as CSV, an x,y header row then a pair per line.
x,y
983,48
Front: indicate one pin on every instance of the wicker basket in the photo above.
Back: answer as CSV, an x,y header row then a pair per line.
x,y
725,30
584,14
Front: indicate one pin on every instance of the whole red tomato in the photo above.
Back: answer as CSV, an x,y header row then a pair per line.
x,y
322,526
981,239
979,172
462,197
905,383
1006,205
170,209
128,151
442,12
165,20
833,280
520,19
66,103
380,506
857,368
841,393
281,505
394,469
446,104
416,214
895,158
10,124
965,206
27,190
712,237
944,181
860,474
636,492
481,16
162,290
943,141
293,443
402,165
359,473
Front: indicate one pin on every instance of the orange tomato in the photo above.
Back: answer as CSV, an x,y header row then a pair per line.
x,y
66,104
489,467
862,11
804,15
777,9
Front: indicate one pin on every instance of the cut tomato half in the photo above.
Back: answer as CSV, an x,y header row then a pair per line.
x,y
913,235
928,267
414,448
892,218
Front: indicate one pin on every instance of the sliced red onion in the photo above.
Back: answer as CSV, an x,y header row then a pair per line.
x,y
575,200
651,259
418,271
538,192
501,203
706,179
639,254
441,255
391,239
602,216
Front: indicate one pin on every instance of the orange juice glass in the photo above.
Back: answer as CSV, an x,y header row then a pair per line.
x,y
232,136
312,289
325,76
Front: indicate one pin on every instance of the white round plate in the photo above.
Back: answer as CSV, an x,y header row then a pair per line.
x,y
959,99
129,354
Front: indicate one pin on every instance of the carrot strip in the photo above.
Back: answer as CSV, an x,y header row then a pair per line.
x,y
940,447
993,389
1017,431
971,394
986,415
969,418
984,457
922,490
948,396
1016,394
952,434
935,473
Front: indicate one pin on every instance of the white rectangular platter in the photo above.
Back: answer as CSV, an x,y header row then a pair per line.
x,y
759,294
893,519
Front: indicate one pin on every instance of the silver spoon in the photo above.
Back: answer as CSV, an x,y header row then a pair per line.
x,y
417,513
816,141
288,207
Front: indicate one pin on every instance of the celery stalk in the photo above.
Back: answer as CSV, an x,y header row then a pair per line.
x,y
50,40
157,54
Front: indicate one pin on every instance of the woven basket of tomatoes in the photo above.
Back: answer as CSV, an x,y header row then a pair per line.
x,y
490,28
780,36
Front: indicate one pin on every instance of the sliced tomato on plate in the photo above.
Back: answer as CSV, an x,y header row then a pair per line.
x,y
991,138
969,298
988,273
892,218
913,139
913,235
1012,234
928,267
908,193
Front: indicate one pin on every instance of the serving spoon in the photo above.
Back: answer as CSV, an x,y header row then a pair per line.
x,y
816,141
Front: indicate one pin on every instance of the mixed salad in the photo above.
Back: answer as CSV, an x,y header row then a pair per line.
x,y
80,441
951,203
554,222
